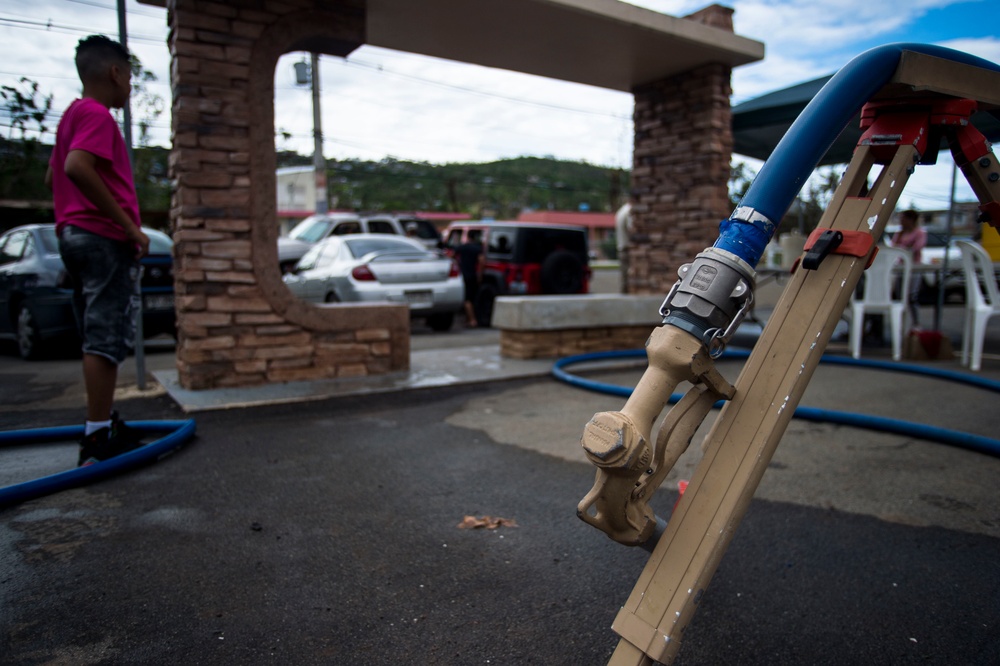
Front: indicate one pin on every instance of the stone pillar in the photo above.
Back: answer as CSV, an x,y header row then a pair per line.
x,y
680,170
237,323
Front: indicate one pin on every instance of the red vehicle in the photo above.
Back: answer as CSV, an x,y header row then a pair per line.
x,y
525,258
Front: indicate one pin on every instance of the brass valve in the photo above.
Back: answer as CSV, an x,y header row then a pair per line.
x,y
618,443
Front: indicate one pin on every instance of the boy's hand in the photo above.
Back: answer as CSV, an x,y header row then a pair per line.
x,y
141,241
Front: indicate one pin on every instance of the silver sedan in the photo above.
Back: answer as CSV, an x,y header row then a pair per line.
x,y
361,268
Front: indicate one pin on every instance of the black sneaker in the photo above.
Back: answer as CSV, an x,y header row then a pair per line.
x,y
129,437
108,442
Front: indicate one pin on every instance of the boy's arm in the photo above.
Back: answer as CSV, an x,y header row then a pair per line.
x,y
81,167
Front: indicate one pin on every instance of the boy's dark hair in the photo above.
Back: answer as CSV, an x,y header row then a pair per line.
x,y
911,214
96,52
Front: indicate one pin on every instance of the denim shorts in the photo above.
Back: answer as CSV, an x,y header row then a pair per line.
x,y
105,276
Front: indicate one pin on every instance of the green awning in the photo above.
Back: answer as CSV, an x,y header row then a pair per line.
x,y
759,124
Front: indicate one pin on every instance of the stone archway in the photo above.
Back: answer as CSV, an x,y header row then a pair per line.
x,y
238,324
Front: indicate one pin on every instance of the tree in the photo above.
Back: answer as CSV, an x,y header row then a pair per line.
x,y
26,110
23,166
149,166
146,106
740,178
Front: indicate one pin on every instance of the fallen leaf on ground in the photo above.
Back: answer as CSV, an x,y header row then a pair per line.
x,y
485,522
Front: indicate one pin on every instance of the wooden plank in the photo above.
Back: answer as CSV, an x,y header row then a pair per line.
x,y
926,73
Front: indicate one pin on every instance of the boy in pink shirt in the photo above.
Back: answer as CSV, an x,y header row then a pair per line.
x,y
100,235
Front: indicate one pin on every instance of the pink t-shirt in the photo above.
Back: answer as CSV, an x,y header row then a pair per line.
x,y
913,240
88,125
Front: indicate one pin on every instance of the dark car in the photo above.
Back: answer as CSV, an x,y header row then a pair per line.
x,y
158,314
36,294
526,258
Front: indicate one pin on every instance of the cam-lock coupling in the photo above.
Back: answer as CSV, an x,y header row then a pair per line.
x,y
617,447
711,298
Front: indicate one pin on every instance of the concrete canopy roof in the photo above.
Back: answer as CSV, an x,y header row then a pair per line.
x,y
603,43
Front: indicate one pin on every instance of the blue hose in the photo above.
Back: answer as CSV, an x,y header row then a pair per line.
x,y
179,432
956,438
811,135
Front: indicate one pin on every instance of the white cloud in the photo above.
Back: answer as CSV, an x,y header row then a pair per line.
x,y
987,48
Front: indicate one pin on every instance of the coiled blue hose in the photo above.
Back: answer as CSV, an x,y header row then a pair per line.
x,y
956,438
811,135
178,432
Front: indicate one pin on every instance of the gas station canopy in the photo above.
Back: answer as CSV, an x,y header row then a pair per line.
x,y
602,43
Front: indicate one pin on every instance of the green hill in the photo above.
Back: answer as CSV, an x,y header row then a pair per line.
x,y
500,189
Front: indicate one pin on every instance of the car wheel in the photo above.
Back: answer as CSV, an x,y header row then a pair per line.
x,y
331,298
441,321
483,304
29,338
562,273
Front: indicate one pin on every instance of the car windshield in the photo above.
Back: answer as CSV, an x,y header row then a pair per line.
x,y
423,228
49,240
360,247
159,242
538,243
308,260
311,230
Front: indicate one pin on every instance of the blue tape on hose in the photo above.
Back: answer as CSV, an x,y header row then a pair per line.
x,y
930,433
178,432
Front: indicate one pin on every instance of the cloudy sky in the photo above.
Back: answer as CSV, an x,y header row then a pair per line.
x,y
378,103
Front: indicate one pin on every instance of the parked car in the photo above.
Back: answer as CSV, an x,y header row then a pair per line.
x,y
158,313
526,258
933,254
36,295
315,228
361,268
404,225
934,251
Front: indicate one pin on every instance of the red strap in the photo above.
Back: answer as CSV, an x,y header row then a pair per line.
x,y
854,244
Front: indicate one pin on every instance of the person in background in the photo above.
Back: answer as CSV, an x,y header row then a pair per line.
x,y
470,258
100,235
911,236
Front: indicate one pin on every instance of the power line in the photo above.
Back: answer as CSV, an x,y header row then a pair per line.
x,y
485,93
128,12
50,26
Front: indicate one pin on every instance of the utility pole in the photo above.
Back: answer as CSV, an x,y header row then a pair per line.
x,y
140,336
319,164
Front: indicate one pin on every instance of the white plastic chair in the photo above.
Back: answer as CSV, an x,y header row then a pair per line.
x,y
877,298
982,300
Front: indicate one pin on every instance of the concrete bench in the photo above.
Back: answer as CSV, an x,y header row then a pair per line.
x,y
557,326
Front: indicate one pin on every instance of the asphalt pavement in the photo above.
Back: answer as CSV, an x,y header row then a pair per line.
x,y
325,529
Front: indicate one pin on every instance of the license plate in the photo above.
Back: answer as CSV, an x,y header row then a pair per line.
x,y
158,302
418,297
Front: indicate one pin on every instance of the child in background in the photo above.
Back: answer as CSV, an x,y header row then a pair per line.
x,y
100,235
